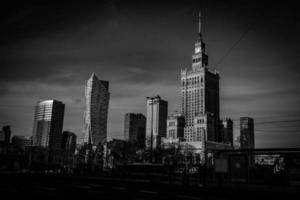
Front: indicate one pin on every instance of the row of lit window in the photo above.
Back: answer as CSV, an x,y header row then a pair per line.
x,y
192,93
191,81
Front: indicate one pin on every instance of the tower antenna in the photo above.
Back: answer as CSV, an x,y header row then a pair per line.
x,y
199,22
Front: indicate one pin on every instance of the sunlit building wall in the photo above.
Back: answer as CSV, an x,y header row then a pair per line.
x,y
96,111
156,126
48,124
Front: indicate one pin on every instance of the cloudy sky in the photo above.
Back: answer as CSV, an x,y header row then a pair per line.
x,y
48,50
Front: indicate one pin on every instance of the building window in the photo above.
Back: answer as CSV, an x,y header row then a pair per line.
x,y
171,123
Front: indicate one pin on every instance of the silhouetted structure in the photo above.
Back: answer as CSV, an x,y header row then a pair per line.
x,y
135,128
69,141
5,134
227,131
247,133
21,142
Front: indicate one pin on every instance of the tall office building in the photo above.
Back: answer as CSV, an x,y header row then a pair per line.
x,y
156,126
247,133
199,92
135,128
96,111
227,131
69,141
48,124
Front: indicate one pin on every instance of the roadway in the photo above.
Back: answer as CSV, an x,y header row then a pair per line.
x,y
44,187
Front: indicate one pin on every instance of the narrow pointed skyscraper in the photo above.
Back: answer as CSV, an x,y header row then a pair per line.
x,y
96,111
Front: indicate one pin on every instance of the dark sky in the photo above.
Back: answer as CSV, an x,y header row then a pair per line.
x,y
49,49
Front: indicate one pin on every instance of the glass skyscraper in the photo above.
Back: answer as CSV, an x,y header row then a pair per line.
x,y
48,124
96,111
156,123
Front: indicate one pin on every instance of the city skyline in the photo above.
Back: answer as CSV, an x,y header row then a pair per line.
x,y
38,65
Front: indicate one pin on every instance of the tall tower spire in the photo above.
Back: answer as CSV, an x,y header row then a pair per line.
x,y
199,23
199,58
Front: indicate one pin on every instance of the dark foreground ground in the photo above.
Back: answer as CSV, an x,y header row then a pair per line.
x,y
44,187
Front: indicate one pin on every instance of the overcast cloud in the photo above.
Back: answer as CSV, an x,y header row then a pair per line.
x,y
49,50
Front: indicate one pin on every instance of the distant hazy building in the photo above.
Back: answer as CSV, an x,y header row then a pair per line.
x,y
135,128
247,133
21,142
227,131
156,127
48,124
200,93
5,134
69,141
96,111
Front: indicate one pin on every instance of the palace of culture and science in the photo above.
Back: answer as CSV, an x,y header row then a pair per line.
x,y
200,98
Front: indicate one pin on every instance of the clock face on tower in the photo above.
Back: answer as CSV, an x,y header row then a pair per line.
x,y
197,49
